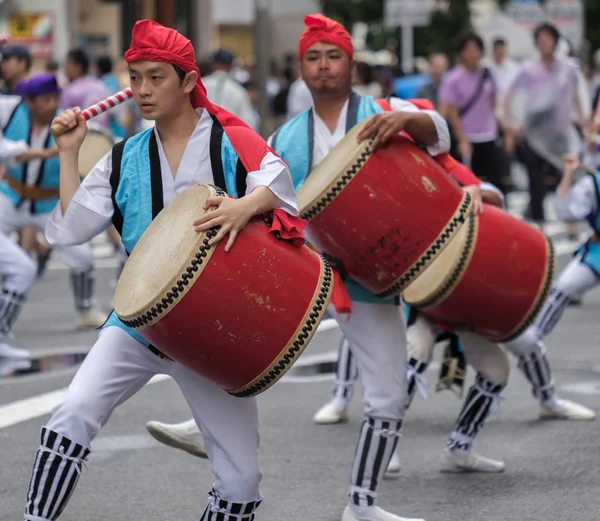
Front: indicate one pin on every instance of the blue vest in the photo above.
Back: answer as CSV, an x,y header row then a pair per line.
x,y
18,128
590,251
136,184
294,142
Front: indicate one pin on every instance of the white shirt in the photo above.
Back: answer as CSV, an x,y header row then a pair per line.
x,y
91,208
9,149
325,141
227,93
299,98
579,202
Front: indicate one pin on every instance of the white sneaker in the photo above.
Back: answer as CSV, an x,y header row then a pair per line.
x,y
185,436
335,411
566,410
8,351
379,514
91,319
393,469
457,461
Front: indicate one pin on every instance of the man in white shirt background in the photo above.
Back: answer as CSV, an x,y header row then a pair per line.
x,y
225,92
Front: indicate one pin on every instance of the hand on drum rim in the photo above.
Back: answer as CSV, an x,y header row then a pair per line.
x,y
230,214
382,126
475,192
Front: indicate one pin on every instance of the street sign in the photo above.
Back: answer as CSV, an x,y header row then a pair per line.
x,y
406,13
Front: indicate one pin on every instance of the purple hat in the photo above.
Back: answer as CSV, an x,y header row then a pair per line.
x,y
40,84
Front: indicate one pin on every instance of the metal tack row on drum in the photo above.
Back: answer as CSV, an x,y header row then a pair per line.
x,y
383,215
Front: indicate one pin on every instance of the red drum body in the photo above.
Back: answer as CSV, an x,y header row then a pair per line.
x,y
384,215
492,279
241,318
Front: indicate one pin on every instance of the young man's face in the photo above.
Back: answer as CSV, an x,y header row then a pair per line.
x,y
157,89
44,107
13,68
326,69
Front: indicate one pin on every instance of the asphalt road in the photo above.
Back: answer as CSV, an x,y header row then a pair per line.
x,y
553,468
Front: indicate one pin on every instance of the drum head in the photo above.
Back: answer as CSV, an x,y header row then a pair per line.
x,y
94,147
332,168
163,253
444,272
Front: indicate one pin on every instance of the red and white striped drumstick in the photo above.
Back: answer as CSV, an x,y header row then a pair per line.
x,y
95,110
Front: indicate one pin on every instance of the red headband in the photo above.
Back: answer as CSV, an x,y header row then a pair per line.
x,y
153,42
319,28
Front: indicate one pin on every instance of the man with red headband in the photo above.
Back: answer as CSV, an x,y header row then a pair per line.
x,y
193,142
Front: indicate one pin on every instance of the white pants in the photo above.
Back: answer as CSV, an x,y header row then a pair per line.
x,y
78,258
118,366
377,335
487,358
16,267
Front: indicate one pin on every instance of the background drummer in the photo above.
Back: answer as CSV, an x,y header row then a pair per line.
x,y
29,189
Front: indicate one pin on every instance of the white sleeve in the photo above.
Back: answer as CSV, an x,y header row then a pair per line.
x,y
579,202
441,127
275,175
89,212
9,149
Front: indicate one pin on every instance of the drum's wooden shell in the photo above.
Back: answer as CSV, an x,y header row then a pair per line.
x,y
243,317
386,215
494,284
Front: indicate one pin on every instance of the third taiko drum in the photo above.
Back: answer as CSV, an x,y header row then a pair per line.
x,y
492,279
383,216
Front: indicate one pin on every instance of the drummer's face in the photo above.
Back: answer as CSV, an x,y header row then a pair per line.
x,y
326,69
157,89
43,107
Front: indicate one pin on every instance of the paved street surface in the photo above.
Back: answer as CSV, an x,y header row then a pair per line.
x,y
553,468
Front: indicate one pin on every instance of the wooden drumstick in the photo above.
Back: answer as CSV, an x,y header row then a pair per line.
x,y
112,101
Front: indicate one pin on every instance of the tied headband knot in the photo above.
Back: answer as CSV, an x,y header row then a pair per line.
x,y
320,28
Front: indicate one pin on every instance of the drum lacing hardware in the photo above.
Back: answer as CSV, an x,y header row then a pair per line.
x,y
458,269
542,297
339,186
183,280
430,255
299,343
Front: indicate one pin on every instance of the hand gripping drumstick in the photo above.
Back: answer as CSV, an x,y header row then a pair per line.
x,y
95,110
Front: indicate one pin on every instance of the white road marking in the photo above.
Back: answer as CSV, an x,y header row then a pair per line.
x,y
23,410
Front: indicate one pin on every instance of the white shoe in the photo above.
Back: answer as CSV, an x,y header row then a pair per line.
x,y
393,469
90,319
379,514
185,436
8,351
335,411
566,410
457,461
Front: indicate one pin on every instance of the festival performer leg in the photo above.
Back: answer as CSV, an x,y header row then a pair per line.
x,y
574,201
377,333
336,410
491,363
18,271
115,369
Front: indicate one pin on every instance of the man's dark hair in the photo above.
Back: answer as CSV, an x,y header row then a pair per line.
x,y
79,57
181,73
465,38
104,64
549,29
499,42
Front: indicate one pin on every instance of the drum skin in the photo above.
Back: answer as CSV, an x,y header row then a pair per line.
x,y
240,318
386,216
498,284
